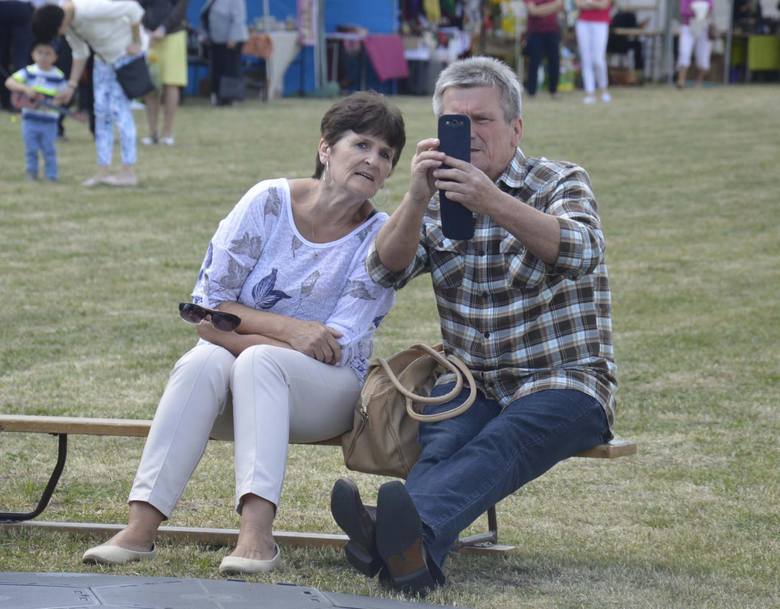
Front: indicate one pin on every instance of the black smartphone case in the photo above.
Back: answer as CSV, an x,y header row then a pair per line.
x,y
457,222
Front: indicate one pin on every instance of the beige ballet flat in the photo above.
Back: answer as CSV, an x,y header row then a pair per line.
x,y
235,565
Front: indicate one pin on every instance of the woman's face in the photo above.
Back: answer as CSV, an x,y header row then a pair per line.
x,y
358,162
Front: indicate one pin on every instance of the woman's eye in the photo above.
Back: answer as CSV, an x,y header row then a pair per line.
x,y
386,155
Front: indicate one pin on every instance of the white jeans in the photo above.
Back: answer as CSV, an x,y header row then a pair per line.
x,y
688,41
278,396
592,43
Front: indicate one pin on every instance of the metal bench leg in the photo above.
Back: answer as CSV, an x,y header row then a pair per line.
x,y
482,539
62,453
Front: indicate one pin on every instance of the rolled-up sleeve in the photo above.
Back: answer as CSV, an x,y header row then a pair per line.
x,y
383,276
582,242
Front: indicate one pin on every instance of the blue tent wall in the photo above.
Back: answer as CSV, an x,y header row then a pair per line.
x,y
377,16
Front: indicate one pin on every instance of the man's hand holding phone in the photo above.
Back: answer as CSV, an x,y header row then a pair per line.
x,y
426,159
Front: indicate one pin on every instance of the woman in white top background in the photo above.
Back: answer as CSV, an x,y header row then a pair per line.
x,y
112,30
289,263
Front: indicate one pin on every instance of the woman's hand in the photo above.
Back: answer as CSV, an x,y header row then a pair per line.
x,y
315,340
426,158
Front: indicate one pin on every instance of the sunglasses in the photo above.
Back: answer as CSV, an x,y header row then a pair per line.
x,y
194,314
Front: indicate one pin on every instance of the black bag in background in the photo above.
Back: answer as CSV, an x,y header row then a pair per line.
x,y
134,78
231,88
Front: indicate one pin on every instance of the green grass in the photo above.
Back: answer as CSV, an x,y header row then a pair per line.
x,y
686,183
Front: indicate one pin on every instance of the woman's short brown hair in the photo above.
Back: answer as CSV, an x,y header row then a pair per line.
x,y
366,113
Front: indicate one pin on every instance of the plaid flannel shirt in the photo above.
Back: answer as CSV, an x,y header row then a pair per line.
x,y
519,324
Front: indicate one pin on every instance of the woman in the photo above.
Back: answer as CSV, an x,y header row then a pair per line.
x,y
544,41
225,25
694,36
289,260
592,30
165,22
112,30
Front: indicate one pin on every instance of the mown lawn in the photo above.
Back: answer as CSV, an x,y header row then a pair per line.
x,y
687,187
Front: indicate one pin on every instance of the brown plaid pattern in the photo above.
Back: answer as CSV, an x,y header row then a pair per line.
x,y
520,325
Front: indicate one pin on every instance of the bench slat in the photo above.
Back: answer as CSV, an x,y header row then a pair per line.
x,y
140,428
75,425
220,537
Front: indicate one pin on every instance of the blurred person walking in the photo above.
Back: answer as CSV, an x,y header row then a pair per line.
x,y
15,41
224,23
544,41
112,29
592,29
165,21
695,16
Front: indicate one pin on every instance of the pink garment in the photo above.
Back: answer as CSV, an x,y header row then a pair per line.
x,y
386,54
686,10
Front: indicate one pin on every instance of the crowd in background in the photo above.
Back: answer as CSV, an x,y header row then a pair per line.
x,y
162,35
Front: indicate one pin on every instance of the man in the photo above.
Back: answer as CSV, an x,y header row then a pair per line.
x,y
112,30
525,304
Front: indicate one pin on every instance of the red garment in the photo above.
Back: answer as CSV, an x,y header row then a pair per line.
x,y
537,25
600,15
386,54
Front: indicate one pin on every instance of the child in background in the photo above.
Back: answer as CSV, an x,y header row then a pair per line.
x,y
39,123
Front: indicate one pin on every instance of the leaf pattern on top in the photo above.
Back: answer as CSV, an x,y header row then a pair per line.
x,y
363,233
273,204
264,293
234,278
378,320
295,245
206,261
308,284
358,289
247,245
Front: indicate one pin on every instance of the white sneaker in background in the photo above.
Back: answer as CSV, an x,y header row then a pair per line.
x,y
95,180
606,97
589,100
167,140
121,179
149,140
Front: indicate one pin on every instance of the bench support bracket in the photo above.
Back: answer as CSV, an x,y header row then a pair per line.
x,y
62,453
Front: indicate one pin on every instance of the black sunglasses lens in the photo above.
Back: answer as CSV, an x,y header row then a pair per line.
x,y
224,321
191,313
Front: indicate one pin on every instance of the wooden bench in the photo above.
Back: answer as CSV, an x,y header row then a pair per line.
x,y
62,427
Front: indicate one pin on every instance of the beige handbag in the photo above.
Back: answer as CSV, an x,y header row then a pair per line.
x,y
383,439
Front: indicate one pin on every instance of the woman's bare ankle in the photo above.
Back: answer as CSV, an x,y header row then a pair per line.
x,y
130,539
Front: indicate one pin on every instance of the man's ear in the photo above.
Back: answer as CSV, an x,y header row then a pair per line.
x,y
323,149
517,128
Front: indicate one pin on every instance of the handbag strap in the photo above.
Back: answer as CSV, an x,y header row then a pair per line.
x,y
451,363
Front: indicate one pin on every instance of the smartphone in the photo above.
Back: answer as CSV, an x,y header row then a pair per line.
x,y
457,222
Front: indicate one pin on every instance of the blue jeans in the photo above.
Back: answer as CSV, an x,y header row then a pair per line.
x,y
471,462
40,135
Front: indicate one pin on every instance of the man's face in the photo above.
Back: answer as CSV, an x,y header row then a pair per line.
x,y
493,139
44,56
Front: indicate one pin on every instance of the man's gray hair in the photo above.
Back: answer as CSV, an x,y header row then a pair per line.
x,y
482,71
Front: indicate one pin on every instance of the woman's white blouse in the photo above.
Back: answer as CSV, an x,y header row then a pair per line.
x,y
258,258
